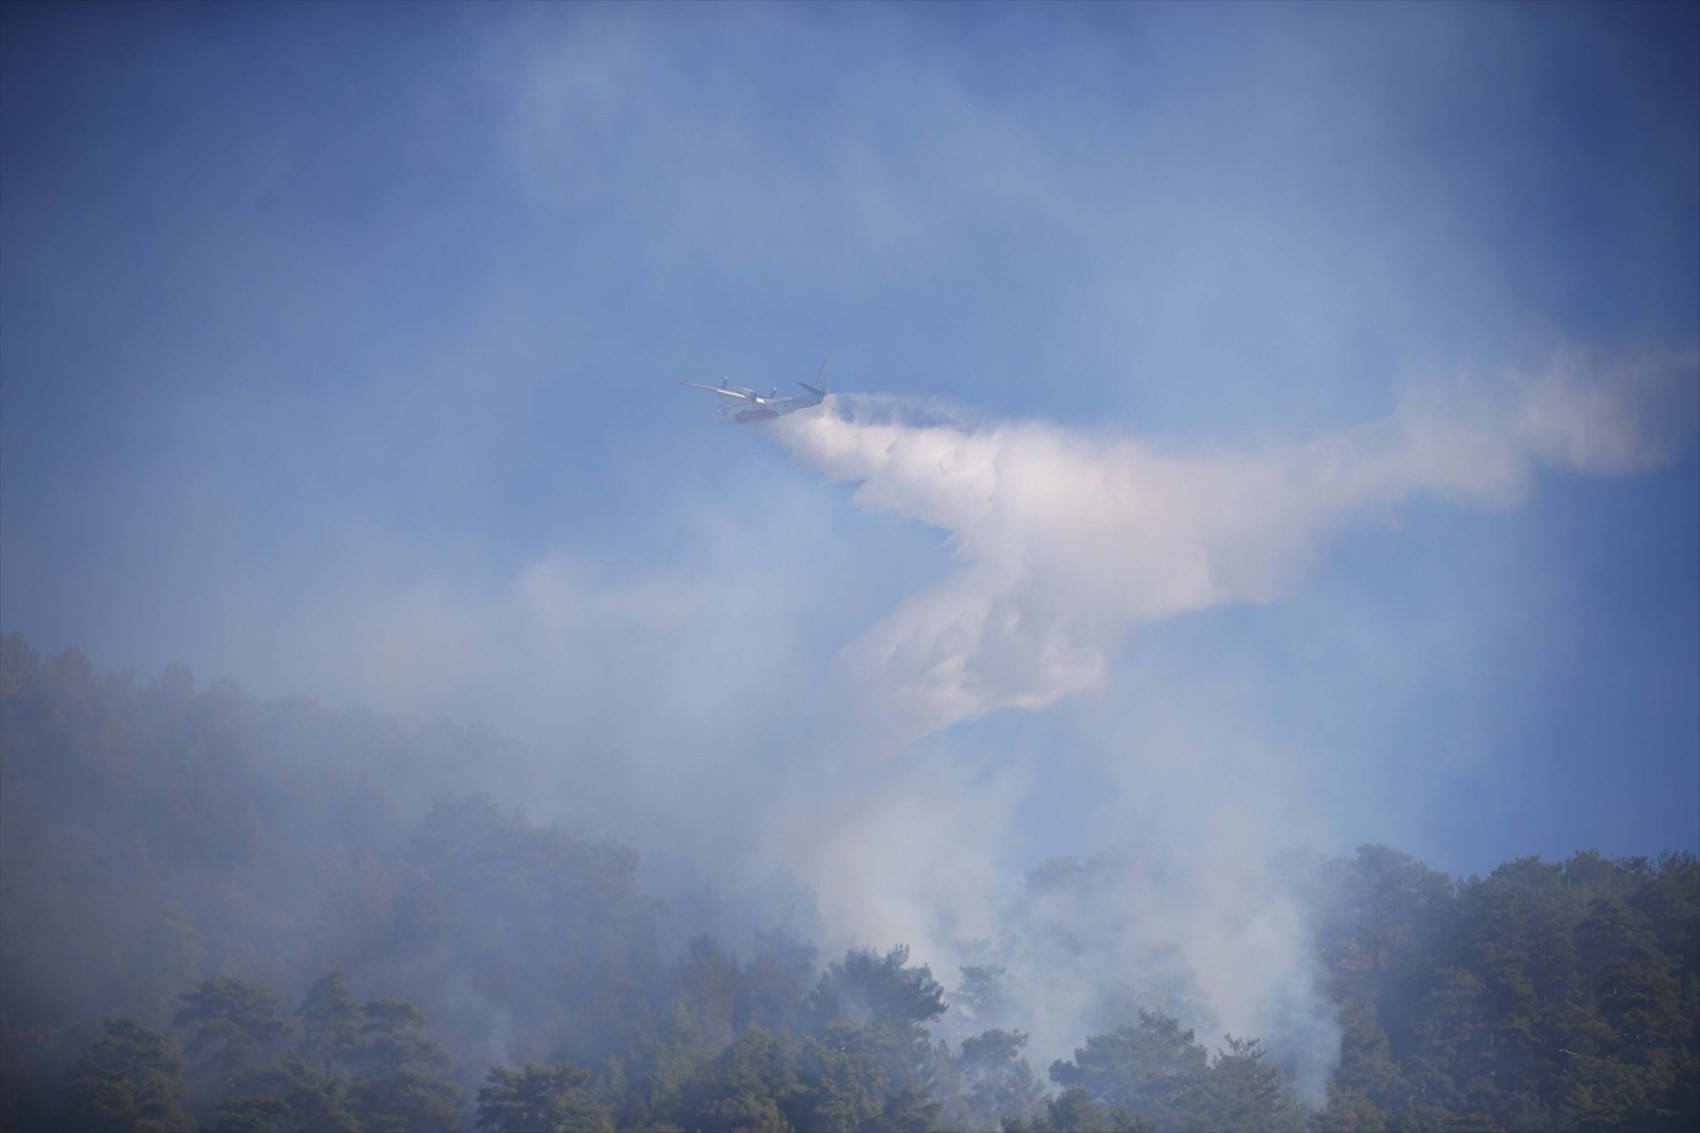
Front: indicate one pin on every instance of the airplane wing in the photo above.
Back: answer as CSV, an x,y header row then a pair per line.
x,y
739,394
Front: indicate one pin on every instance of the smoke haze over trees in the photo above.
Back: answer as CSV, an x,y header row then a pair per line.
x,y
1261,431
210,922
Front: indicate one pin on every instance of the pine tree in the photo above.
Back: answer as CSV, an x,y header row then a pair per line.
x,y
1245,1094
540,1099
331,1024
1155,1070
233,1024
130,1080
997,1080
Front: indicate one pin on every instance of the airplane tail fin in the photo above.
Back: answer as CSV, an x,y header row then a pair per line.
x,y
825,380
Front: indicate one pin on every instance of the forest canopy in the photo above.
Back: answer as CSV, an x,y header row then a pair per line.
x,y
218,913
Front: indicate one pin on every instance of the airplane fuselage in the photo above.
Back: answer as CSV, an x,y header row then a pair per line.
x,y
747,416
754,407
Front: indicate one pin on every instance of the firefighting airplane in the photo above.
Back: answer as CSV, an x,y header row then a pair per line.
x,y
757,407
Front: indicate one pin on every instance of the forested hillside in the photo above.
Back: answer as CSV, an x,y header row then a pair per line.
x,y
223,914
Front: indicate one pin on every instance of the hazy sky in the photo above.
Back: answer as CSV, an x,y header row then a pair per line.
x,y
339,349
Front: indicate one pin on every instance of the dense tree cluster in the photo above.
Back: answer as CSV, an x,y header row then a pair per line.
x,y
226,915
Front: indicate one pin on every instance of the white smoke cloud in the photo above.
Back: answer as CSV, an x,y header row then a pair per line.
x,y
1068,539
918,854
1213,939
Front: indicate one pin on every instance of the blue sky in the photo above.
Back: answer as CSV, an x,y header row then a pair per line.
x,y
339,349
